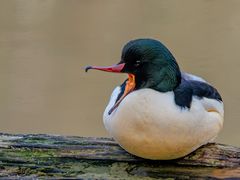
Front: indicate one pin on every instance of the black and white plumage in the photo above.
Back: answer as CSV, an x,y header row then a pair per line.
x,y
160,112
194,86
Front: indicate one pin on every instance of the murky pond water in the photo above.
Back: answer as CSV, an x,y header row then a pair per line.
x,y
44,46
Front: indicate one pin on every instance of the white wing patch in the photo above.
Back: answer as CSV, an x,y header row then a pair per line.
x,y
188,76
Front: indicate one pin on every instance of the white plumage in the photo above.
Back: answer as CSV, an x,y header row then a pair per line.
x,y
149,124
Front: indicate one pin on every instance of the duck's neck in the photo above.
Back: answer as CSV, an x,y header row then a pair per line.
x,y
160,75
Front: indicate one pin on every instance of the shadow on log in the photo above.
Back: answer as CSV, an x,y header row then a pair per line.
x,y
48,156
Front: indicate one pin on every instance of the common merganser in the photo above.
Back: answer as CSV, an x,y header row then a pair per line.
x,y
159,112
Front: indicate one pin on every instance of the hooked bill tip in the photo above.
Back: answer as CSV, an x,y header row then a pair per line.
x,y
87,68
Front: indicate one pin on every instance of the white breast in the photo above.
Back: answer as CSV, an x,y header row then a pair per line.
x,y
149,124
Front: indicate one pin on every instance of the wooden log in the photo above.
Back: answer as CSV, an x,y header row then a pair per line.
x,y
50,156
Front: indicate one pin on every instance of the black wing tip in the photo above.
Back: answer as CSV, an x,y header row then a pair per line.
x,y
203,89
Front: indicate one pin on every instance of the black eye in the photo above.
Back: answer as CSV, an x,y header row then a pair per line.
x,y
137,63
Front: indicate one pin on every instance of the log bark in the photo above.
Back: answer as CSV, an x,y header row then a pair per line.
x,y
34,156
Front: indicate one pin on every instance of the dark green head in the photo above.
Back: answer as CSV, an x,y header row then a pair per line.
x,y
149,64
152,64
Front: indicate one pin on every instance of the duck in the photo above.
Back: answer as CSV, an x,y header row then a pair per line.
x,y
160,112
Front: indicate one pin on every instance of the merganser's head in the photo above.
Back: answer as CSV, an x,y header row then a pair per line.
x,y
149,64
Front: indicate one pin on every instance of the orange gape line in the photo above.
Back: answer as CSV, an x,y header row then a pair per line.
x,y
128,88
130,84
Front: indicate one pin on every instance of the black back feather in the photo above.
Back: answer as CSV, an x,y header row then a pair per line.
x,y
188,88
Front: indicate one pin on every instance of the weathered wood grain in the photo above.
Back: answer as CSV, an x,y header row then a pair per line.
x,y
49,156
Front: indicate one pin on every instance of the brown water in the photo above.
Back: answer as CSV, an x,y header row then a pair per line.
x,y
45,44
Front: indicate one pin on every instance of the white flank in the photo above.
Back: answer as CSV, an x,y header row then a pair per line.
x,y
149,124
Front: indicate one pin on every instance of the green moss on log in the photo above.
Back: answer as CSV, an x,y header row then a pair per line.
x,y
44,156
